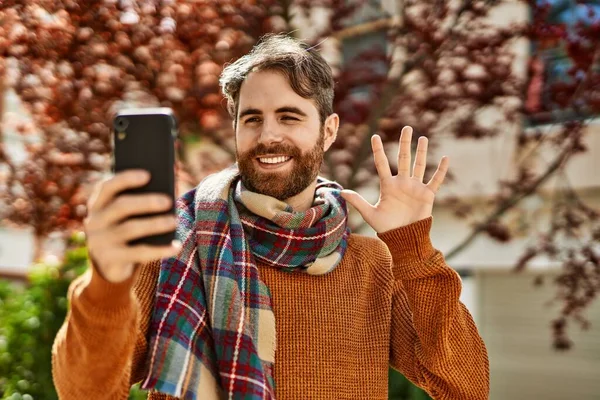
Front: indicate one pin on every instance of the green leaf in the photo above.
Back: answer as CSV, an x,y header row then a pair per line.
x,y
401,388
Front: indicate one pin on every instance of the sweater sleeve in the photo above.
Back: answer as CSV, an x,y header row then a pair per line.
x,y
434,341
99,352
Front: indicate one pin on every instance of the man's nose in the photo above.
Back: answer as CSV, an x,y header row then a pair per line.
x,y
270,132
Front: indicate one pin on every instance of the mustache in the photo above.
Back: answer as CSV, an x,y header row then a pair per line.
x,y
262,149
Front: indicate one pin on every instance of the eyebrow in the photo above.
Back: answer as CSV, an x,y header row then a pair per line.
x,y
249,111
284,109
291,109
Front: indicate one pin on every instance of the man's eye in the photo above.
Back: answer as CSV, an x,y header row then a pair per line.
x,y
252,119
289,118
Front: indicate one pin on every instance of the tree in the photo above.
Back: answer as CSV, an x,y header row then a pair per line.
x,y
76,62
443,67
446,69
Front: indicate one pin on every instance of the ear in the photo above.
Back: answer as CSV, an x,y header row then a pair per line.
x,y
331,125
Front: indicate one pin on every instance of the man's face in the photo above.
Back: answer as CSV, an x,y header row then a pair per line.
x,y
279,138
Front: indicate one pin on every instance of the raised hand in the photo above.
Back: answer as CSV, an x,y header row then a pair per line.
x,y
403,198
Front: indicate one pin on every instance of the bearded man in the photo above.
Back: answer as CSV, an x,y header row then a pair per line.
x,y
268,294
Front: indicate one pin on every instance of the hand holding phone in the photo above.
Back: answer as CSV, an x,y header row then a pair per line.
x,y
131,216
111,225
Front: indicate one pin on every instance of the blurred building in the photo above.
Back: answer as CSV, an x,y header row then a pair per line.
x,y
514,315
16,252
15,244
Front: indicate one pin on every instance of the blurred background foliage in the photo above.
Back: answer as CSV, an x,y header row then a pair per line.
x,y
401,388
30,317
448,68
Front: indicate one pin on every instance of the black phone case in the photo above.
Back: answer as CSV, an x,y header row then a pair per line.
x,y
145,139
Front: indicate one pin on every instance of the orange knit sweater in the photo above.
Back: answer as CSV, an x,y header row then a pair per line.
x,y
392,301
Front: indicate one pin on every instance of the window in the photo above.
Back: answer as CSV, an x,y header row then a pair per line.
x,y
364,54
554,91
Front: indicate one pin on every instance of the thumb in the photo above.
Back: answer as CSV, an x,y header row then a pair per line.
x,y
358,202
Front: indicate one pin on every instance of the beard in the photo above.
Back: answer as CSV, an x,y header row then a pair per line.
x,y
277,184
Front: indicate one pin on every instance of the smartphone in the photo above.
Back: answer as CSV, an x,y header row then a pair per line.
x,y
144,138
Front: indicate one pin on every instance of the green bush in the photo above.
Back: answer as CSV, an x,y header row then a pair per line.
x,y
401,388
29,320
30,317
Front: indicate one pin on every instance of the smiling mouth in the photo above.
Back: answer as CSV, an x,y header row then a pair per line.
x,y
273,161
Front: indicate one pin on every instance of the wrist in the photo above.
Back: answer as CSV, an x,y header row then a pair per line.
x,y
410,243
105,294
398,224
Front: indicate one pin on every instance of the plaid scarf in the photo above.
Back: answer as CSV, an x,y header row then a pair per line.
x,y
212,332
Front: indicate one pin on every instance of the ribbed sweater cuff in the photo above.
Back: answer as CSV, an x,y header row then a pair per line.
x,y
410,247
106,295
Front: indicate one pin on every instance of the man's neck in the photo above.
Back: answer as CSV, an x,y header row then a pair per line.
x,y
303,200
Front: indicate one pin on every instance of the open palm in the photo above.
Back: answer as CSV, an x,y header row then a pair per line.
x,y
403,198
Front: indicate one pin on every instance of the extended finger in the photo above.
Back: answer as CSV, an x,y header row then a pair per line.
x,y
440,173
138,228
357,201
421,158
381,162
404,152
107,190
129,205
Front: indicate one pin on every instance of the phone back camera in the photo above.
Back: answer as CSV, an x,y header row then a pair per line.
x,y
121,124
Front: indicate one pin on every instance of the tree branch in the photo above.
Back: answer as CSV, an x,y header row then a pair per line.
x,y
366,28
387,96
4,157
517,197
513,200
287,14
377,112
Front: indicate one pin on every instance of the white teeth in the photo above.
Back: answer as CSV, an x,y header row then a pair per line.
x,y
273,160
